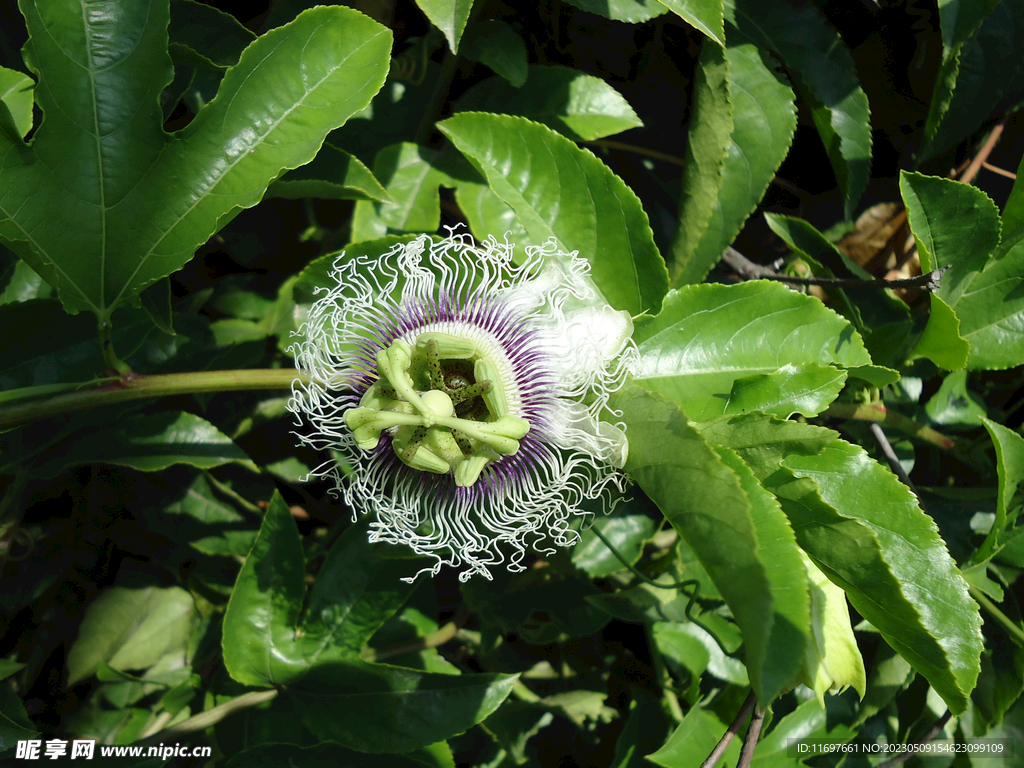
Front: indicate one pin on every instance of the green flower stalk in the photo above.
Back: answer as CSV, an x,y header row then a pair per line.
x,y
466,396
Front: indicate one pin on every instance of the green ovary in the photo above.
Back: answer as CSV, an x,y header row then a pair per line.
x,y
443,402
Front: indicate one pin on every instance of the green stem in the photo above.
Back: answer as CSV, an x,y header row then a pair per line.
x,y
204,720
133,386
1007,623
107,345
646,579
893,419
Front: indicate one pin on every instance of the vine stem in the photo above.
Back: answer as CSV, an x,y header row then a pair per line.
x,y
879,413
731,731
935,730
212,716
1005,621
133,386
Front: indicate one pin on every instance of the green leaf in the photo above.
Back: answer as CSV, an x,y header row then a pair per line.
x,y
955,404
694,739
694,649
559,190
1013,211
741,540
496,44
644,731
411,177
100,77
981,74
957,224
581,106
1010,467
953,224
878,315
960,19
22,284
805,723
14,721
354,593
259,643
865,531
215,36
332,175
941,341
719,349
824,75
627,534
17,95
631,11
791,624
863,528
450,16
711,124
391,709
704,15
8,667
764,123
151,443
132,629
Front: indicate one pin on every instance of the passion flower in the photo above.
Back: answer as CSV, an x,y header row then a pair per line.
x,y
465,397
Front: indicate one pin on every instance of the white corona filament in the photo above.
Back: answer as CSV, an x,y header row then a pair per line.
x,y
558,351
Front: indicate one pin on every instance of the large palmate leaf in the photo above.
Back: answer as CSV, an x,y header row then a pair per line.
x,y
957,224
756,346
764,122
559,190
134,203
865,531
823,74
737,531
356,590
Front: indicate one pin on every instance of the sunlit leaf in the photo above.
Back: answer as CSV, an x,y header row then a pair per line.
x,y
332,175
581,106
865,531
764,123
135,202
16,95
627,534
823,74
132,629
730,523
711,124
718,349
957,224
632,11
559,190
